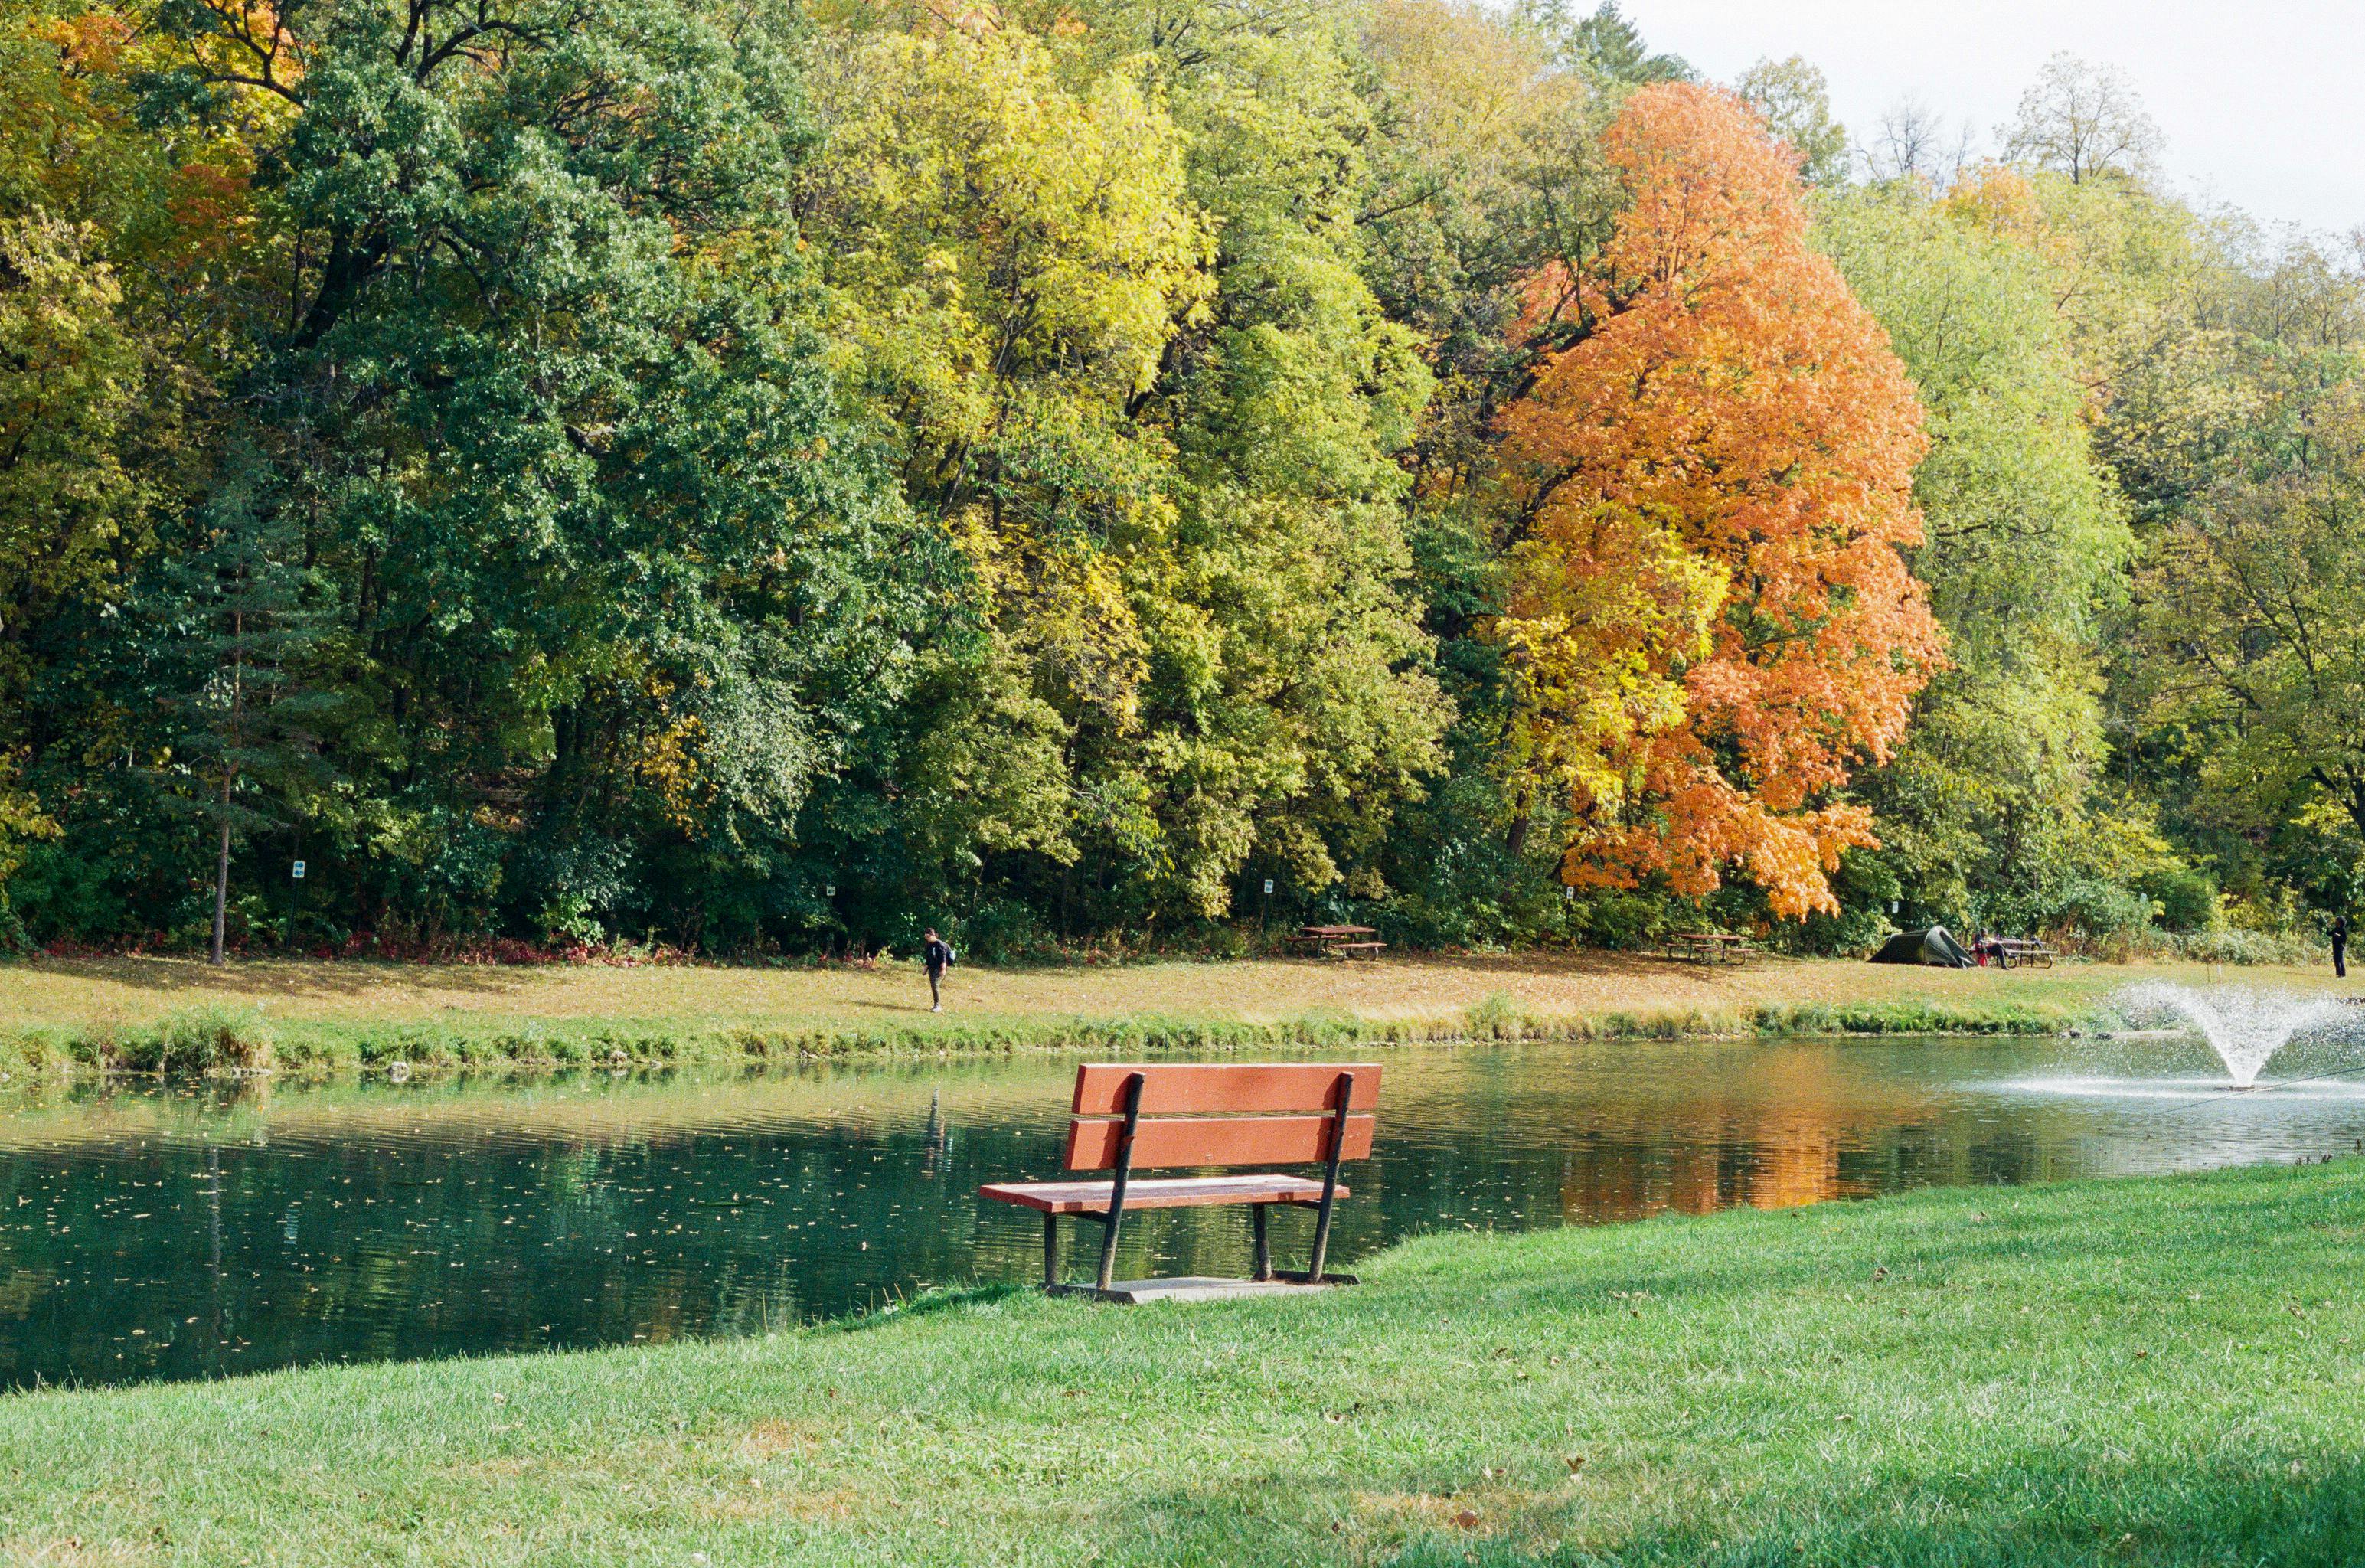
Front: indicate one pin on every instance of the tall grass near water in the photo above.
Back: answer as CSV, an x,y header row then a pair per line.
x,y
216,1039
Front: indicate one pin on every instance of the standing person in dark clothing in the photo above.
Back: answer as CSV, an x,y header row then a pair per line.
x,y
938,956
2340,946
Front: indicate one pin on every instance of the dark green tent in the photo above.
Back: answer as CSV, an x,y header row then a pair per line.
x,y
1930,946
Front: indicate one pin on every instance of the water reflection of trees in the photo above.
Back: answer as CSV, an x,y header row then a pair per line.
x,y
371,1224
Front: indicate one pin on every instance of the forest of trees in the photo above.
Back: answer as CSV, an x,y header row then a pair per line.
x,y
760,478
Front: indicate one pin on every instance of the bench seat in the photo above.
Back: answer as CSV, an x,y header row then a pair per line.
x,y
1165,1193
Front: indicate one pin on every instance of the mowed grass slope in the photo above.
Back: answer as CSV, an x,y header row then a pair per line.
x,y
1543,986
2157,1371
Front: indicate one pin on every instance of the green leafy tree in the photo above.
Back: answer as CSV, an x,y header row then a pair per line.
x,y
1008,261
1485,172
1300,697
619,581
68,385
1795,100
1142,382
2257,594
2027,541
1602,43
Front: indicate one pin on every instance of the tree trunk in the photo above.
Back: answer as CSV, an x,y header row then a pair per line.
x,y
229,778
221,875
1516,841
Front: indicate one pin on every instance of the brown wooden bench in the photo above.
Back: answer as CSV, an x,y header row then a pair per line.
x,y
1129,1115
1368,949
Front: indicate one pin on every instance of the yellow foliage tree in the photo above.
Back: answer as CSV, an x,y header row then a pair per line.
x,y
1008,259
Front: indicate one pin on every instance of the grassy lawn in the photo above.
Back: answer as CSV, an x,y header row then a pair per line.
x,y
1545,985
332,1014
2157,1371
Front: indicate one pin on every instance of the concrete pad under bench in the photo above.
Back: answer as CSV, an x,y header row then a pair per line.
x,y
1197,1287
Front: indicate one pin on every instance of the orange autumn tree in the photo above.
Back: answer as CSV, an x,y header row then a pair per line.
x,y
1708,619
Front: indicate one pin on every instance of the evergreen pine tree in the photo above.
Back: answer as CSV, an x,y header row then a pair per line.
x,y
231,619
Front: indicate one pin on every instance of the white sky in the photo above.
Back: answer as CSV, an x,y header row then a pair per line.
x,y
2262,104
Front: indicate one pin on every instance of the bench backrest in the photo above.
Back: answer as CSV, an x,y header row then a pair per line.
x,y
1268,1114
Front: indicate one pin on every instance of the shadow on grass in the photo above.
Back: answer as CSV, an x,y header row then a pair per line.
x,y
270,979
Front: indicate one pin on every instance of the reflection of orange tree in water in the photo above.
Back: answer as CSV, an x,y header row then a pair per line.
x,y
1771,1134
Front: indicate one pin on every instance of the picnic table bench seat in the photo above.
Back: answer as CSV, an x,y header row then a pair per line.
x,y
1125,1117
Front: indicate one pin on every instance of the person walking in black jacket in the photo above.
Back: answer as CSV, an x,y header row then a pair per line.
x,y
2340,946
938,957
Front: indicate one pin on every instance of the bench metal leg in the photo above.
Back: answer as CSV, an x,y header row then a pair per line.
x,y
1108,1248
1331,1178
1133,1087
1321,1239
1050,1250
1263,1243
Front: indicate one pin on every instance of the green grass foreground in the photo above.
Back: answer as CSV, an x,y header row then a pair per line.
x,y
2166,1370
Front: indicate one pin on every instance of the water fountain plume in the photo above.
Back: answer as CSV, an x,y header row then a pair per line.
x,y
2244,1025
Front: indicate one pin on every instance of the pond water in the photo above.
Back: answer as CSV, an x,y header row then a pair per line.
x,y
148,1233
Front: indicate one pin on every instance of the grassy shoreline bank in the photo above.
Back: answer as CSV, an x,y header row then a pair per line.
x,y
177,1015
219,1039
2166,1371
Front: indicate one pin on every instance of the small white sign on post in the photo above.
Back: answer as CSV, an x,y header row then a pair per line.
x,y
299,870
1267,886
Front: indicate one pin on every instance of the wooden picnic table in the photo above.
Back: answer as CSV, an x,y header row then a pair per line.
x,y
1709,946
1340,941
2011,950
